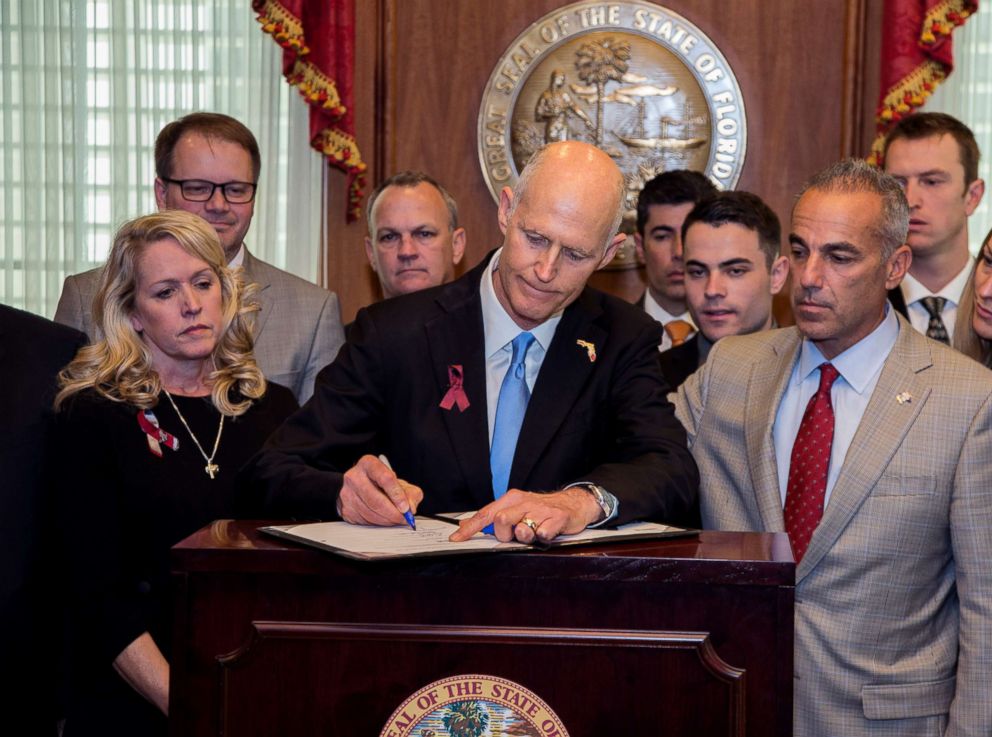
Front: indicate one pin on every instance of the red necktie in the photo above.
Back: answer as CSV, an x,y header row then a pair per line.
x,y
809,465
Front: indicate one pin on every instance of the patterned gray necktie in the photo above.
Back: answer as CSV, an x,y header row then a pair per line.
x,y
936,329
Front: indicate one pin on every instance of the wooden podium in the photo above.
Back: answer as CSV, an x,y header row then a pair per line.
x,y
688,636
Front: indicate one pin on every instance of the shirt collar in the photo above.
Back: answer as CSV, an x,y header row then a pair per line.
x,y
914,291
239,257
499,327
662,315
859,363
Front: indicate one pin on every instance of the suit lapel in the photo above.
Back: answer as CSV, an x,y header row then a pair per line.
x,y
766,385
251,274
880,433
566,368
455,338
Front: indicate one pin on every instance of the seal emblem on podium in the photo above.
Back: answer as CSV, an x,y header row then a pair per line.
x,y
473,705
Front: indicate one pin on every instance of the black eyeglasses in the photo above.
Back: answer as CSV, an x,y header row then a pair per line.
x,y
200,190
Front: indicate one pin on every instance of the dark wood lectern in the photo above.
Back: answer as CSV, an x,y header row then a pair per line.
x,y
689,636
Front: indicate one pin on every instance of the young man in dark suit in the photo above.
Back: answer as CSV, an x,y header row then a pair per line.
x,y
661,209
733,269
515,390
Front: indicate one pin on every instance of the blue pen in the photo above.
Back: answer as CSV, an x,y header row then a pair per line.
x,y
407,515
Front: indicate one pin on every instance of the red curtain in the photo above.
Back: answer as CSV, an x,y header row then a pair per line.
x,y
318,41
916,56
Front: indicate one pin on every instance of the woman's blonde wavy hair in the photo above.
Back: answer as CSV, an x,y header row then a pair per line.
x,y
966,339
119,366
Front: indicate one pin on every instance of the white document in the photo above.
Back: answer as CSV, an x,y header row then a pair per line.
x,y
431,538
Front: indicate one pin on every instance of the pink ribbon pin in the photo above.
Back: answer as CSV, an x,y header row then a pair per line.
x,y
456,390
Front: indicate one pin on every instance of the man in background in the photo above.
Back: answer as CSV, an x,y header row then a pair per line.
x,y
661,209
209,164
935,158
414,241
733,269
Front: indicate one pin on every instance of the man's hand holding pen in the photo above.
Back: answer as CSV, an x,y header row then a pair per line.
x,y
373,495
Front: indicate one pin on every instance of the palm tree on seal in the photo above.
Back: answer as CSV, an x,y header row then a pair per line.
x,y
600,62
466,719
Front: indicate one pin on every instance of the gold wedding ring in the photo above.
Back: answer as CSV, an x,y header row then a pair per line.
x,y
531,524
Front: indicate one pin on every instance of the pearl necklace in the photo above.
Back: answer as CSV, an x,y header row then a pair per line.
x,y
211,469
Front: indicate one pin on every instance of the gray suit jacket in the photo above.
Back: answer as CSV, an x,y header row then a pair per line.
x,y
297,331
894,595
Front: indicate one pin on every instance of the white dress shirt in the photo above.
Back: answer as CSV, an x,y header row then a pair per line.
x,y
913,292
239,258
859,367
500,330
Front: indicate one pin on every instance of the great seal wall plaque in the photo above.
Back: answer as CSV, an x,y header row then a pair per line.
x,y
637,80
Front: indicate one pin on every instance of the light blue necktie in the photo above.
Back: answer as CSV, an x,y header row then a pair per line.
x,y
510,410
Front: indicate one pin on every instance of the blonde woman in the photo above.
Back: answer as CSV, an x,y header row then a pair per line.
x,y
973,325
153,422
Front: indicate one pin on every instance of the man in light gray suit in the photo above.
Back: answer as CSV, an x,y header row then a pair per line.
x,y
870,445
208,164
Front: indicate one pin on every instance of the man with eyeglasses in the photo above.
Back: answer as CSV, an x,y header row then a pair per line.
x,y
208,164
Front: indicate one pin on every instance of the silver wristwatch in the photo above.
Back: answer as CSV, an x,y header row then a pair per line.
x,y
606,501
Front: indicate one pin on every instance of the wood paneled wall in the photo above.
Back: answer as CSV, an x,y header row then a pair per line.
x,y
808,71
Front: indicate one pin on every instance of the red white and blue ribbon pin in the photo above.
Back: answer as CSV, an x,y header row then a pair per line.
x,y
156,435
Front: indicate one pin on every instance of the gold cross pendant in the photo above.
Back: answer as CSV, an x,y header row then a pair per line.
x,y
212,469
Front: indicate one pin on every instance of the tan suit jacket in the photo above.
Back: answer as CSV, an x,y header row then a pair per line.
x,y
894,596
297,330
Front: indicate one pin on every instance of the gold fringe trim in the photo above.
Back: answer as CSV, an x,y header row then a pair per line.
x,y
943,18
320,91
316,87
341,150
907,96
912,91
283,26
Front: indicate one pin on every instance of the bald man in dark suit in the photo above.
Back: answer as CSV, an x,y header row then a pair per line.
x,y
422,380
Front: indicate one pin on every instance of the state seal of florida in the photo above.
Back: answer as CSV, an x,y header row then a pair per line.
x,y
473,705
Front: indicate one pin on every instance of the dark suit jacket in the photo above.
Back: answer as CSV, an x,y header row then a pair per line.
x,y
32,351
679,362
606,421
